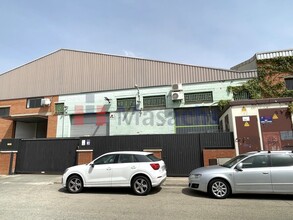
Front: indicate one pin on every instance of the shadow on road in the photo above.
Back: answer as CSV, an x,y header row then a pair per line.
x,y
262,197
110,190
189,192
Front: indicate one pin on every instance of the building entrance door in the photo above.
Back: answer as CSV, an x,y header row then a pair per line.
x,y
247,134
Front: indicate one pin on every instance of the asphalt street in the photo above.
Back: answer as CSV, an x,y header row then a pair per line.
x,y
42,197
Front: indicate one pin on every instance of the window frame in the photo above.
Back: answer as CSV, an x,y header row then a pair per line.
x,y
38,103
252,164
126,108
134,159
274,157
198,101
289,83
109,157
243,95
60,112
145,98
5,113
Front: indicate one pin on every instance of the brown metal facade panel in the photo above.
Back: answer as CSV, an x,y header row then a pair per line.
x,y
276,128
68,72
247,134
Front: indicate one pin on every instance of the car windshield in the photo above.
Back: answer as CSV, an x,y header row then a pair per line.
x,y
233,161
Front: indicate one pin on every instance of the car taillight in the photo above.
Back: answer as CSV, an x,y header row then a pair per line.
x,y
155,166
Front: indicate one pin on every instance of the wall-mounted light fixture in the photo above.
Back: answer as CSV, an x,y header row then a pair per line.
x,y
108,100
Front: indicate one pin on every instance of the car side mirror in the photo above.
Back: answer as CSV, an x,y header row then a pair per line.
x,y
239,166
92,165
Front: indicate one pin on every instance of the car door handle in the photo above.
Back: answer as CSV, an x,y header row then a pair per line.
x,y
109,168
265,173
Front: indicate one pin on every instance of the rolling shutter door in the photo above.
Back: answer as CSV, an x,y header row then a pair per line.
x,y
89,125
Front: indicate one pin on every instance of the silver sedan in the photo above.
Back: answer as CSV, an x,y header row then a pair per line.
x,y
254,172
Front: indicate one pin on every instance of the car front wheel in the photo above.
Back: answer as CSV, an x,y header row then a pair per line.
x,y
74,184
219,189
141,185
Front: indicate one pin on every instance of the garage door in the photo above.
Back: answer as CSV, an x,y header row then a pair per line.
x,y
89,125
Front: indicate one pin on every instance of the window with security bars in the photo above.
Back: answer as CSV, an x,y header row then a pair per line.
x,y
197,120
126,104
151,102
59,108
199,97
4,112
241,95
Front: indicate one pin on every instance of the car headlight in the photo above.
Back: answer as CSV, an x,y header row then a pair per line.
x,y
197,175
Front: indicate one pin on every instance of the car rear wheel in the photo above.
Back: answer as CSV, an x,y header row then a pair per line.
x,y
141,185
74,184
219,189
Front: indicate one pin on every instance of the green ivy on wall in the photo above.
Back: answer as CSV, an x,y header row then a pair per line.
x,y
223,103
270,80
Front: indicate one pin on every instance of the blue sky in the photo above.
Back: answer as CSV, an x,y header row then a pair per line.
x,y
210,33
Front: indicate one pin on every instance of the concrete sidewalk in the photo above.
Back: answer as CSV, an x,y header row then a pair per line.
x,y
56,179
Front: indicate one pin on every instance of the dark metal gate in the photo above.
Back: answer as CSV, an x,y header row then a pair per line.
x,y
181,152
46,155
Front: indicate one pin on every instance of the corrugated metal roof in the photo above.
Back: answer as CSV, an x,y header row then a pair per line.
x,y
251,63
273,54
69,71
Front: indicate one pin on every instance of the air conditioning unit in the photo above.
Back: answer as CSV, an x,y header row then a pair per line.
x,y
45,102
177,87
177,96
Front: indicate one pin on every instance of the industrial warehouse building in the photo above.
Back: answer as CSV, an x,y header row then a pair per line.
x,y
72,94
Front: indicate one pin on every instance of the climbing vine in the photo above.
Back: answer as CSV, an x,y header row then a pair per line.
x,y
270,80
223,103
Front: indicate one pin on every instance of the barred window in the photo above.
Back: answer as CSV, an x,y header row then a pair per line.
x,y
126,104
154,102
199,97
59,108
241,95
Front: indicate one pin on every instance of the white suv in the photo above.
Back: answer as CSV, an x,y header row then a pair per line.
x,y
139,170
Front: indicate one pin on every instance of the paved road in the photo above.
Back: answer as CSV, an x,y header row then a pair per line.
x,y
42,197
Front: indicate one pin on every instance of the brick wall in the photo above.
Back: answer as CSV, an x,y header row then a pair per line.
x,y
6,128
52,126
5,157
215,154
84,156
157,152
18,107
